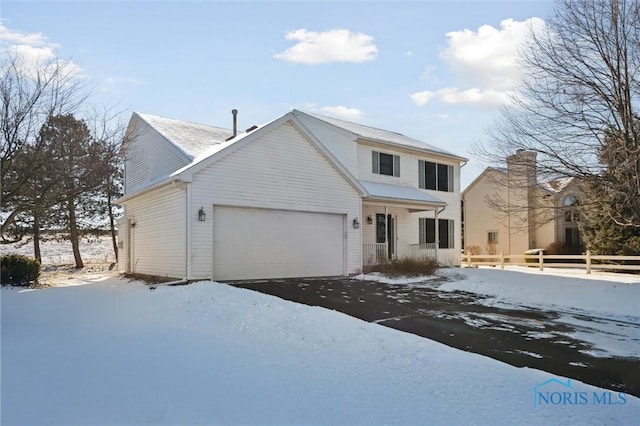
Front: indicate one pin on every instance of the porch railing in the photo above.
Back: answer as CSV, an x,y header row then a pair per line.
x,y
373,253
422,251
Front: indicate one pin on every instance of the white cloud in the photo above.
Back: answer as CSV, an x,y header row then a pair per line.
x,y
455,96
337,45
422,98
339,111
485,61
34,50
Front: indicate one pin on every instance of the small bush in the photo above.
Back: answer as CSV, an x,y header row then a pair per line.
x,y
19,270
407,267
491,249
473,250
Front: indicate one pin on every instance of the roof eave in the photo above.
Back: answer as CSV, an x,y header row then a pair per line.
x,y
406,201
411,148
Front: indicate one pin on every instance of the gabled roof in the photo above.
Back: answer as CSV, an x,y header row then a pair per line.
x,y
183,134
556,185
553,186
383,136
407,194
191,138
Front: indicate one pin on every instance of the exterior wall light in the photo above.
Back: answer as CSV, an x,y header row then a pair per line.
x,y
356,223
369,220
202,215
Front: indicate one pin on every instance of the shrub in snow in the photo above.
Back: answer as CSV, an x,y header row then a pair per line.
x,y
19,270
407,267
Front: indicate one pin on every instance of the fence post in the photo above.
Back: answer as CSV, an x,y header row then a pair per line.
x,y
469,260
588,262
540,260
501,260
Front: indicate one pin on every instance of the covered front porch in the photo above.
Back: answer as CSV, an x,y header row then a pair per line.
x,y
394,225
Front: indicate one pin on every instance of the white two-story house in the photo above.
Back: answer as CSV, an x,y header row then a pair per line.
x,y
304,195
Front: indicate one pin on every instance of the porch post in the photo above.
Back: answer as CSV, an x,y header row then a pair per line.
x,y
386,231
437,234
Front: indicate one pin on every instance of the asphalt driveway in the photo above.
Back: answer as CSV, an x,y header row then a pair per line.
x,y
520,336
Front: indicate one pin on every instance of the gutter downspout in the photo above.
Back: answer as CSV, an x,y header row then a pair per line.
x,y
187,264
386,231
186,187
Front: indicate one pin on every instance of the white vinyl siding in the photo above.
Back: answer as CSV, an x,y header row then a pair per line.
x,y
158,238
280,170
148,157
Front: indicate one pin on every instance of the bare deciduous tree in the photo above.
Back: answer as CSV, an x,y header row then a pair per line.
x,y
30,93
578,103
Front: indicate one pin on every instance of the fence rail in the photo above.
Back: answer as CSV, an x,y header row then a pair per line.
x,y
586,261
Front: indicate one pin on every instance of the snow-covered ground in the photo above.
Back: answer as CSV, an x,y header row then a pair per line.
x,y
114,352
57,251
604,308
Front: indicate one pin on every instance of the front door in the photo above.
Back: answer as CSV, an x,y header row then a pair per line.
x,y
386,233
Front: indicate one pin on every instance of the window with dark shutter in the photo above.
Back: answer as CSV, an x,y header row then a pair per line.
x,y
434,176
385,164
427,232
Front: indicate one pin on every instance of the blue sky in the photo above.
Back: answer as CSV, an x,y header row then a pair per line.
x,y
433,70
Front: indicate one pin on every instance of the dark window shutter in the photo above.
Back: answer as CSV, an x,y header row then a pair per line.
x,y
396,165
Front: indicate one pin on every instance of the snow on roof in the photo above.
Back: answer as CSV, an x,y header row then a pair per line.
x,y
556,185
192,138
381,135
398,192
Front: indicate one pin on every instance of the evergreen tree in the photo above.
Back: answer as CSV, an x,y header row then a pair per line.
x,y
76,165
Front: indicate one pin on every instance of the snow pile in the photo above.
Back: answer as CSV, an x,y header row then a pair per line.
x,y
377,276
116,353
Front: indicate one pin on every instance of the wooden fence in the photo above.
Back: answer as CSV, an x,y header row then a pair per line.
x,y
586,261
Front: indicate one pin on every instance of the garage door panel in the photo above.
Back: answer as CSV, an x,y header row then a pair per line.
x,y
257,243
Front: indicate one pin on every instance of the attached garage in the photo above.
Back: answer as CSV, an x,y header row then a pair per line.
x,y
250,243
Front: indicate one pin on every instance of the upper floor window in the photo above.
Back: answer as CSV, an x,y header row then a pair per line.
x,y
385,164
438,177
571,214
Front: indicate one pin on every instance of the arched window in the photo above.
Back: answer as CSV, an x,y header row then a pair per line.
x,y
570,201
571,219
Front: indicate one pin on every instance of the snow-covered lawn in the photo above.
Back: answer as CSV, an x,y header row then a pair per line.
x,y
55,250
114,352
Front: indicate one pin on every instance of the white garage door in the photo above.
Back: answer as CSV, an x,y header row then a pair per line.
x,y
259,243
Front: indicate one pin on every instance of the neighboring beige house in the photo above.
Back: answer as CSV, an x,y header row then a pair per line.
x,y
538,213
302,196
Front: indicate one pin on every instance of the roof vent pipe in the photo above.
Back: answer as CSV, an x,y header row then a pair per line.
x,y
235,121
